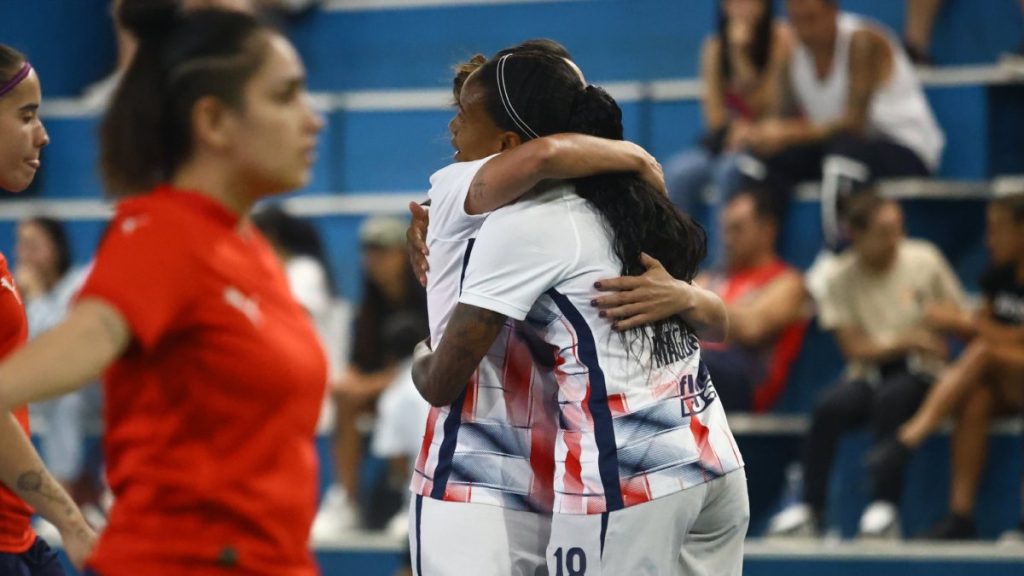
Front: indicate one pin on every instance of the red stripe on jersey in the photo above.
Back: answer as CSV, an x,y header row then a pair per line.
x,y
634,490
428,439
458,492
701,434
618,405
517,381
469,406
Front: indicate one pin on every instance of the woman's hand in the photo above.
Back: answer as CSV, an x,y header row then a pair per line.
x,y
416,242
640,300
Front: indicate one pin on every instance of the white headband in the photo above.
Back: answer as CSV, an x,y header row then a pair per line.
x,y
506,101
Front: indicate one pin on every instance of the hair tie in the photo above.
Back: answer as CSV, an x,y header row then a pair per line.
x,y
506,101
18,77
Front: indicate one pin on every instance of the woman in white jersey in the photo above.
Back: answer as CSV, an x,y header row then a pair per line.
x,y
481,500
637,416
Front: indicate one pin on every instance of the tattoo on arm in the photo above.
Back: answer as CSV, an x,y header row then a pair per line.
x,y
467,338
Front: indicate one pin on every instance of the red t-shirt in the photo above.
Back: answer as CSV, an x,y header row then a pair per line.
x,y
16,535
210,414
777,356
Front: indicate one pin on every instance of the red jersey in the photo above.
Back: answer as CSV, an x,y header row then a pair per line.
x,y
16,535
210,414
777,356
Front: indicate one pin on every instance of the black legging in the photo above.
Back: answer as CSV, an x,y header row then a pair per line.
x,y
849,405
879,157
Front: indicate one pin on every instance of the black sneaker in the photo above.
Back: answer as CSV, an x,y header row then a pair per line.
x,y
953,527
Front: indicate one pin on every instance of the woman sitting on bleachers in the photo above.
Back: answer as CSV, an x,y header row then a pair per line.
x,y
739,68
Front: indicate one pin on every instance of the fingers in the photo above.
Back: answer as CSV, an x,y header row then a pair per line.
x,y
633,322
618,299
620,283
624,311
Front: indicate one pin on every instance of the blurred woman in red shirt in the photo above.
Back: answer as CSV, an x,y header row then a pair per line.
x,y
213,373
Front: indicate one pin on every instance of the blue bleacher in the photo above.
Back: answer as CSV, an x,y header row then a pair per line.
x,y
379,151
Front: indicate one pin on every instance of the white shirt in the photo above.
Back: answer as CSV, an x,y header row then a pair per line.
x,y
636,423
493,445
899,109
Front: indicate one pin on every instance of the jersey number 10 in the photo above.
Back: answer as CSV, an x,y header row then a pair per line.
x,y
575,562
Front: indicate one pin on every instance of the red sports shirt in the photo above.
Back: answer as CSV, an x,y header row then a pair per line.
x,y
210,414
16,534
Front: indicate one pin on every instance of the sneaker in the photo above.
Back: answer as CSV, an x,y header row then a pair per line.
x,y
1013,537
336,517
881,521
795,521
953,527
398,526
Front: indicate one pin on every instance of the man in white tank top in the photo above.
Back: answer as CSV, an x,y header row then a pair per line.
x,y
849,110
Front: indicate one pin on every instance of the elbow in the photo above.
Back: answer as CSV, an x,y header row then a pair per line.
x,y
436,396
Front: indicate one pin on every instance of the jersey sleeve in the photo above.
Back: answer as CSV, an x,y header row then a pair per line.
x,y
517,257
145,271
449,187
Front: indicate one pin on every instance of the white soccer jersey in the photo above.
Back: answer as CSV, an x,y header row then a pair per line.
x,y
636,421
494,444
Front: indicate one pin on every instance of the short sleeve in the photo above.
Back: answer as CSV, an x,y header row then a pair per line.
x,y
144,270
517,257
449,187
834,309
308,282
947,286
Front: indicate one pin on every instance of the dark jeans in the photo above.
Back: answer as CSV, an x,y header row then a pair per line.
x,y
852,404
879,157
39,560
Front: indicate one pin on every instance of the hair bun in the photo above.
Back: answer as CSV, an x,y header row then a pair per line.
x,y
596,113
148,19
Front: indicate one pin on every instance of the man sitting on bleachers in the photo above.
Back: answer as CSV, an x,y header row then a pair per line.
x,y
766,304
850,110
875,304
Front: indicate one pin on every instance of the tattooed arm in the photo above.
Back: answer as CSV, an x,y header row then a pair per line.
x,y
509,175
442,375
24,474
61,360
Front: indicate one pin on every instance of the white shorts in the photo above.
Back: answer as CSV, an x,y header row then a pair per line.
x,y
458,538
696,532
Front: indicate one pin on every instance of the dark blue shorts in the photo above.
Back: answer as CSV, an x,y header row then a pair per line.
x,y
39,560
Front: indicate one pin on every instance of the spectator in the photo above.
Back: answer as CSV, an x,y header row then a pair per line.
x,y
850,110
986,381
875,304
766,304
298,245
390,289
740,66
917,30
401,415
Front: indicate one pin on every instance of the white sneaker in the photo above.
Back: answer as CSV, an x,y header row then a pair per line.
x,y
336,517
1013,537
398,526
795,521
881,520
